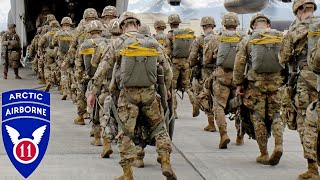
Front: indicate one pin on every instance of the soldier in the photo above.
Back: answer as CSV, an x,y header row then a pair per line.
x,y
109,13
32,51
294,51
257,65
106,134
41,19
11,51
41,60
137,93
160,26
61,41
177,46
200,53
51,70
73,55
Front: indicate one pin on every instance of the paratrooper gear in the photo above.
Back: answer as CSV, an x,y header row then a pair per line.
x,y
174,19
298,3
128,16
159,24
90,13
207,20
66,20
230,19
259,16
110,11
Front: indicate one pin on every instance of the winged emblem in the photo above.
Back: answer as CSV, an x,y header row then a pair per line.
x,y
37,134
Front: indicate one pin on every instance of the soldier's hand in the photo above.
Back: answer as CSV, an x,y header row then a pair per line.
x,y
240,90
168,94
90,100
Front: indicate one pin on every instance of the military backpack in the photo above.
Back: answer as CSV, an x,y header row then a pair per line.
x,y
313,37
182,40
160,37
64,40
265,46
139,60
227,48
87,49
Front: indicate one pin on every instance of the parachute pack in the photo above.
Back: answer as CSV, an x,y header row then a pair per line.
x,y
313,37
182,40
87,49
160,37
227,48
265,46
139,61
64,40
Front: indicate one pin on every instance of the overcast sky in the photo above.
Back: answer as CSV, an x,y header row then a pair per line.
x,y
4,9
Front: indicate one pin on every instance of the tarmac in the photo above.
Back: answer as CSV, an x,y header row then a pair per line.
x,y
196,155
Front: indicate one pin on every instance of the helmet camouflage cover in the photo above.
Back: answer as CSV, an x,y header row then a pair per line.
x,y
144,29
66,20
110,11
298,3
90,13
230,19
128,16
94,25
207,20
174,19
159,24
114,27
54,23
259,16
50,17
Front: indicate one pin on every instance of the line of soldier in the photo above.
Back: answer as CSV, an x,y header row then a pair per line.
x,y
124,78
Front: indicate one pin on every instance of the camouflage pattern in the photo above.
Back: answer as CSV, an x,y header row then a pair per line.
x,y
257,17
10,56
128,111
144,29
261,97
110,11
207,20
295,41
160,24
180,68
174,19
311,135
66,70
42,17
297,3
33,49
230,19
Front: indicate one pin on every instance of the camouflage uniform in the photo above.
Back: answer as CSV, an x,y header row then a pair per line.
x,y
41,51
180,66
261,98
198,52
11,51
33,49
160,26
42,17
109,12
73,55
294,51
51,70
61,41
129,111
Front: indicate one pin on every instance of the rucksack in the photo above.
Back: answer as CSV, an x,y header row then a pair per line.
x,y
64,40
182,40
313,37
139,60
265,46
227,48
160,37
86,50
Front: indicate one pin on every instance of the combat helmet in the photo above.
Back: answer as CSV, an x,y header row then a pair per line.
x,y
230,19
54,24
114,27
110,11
207,20
298,3
127,17
174,19
51,17
259,16
159,24
10,26
66,20
90,13
144,29
94,25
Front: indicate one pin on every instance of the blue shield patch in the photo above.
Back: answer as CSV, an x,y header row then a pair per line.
x,y
25,128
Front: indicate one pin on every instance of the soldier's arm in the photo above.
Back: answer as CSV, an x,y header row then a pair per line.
x,y
105,66
240,62
212,49
286,49
3,47
168,44
42,41
79,64
55,40
194,51
18,39
315,58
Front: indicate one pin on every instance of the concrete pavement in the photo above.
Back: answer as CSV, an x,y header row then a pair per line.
x,y
195,157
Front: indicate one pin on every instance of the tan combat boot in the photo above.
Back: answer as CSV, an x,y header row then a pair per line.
x,y
210,127
79,120
5,75
175,114
138,161
107,149
239,140
166,168
195,110
127,173
224,138
64,96
97,137
47,88
312,173
276,155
